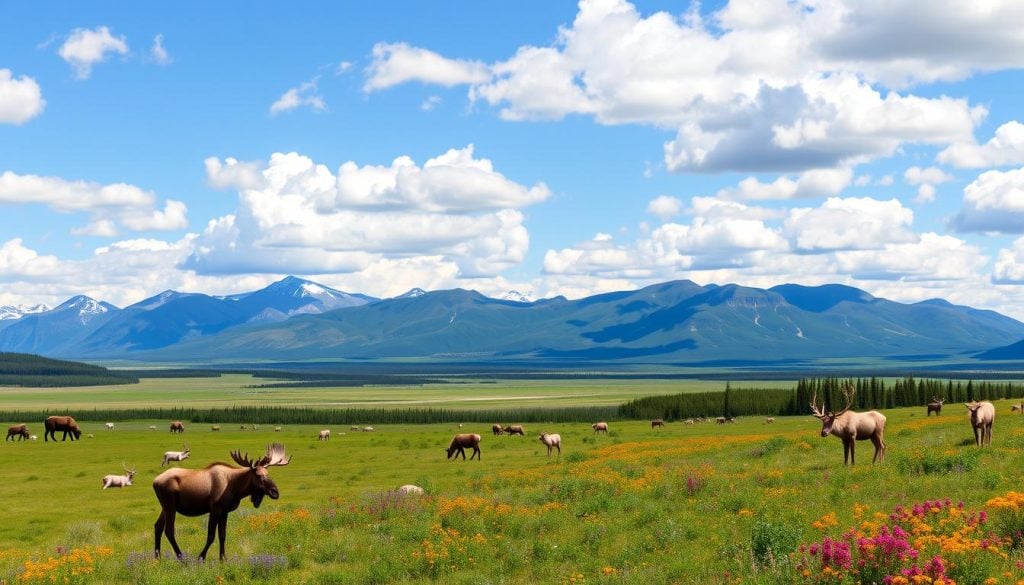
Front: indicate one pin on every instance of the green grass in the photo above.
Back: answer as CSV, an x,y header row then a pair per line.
x,y
233,389
699,503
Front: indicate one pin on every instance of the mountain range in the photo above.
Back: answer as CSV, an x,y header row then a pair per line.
x,y
672,322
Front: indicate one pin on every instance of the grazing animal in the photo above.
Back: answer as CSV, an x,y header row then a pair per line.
x,y
354,428
461,442
983,414
176,455
90,435
177,427
852,426
657,423
61,423
119,480
601,427
497,430
215,429
277,429
20,431
410,490
1018,408
460,425
110,426
935,406
552,441
32,437
515,430
769,420
688,421
216,490
720,420
152,427
324,435
241,428
367,429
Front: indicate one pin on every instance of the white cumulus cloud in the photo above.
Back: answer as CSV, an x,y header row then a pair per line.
x,y
21,99
1005,148
850,224
87,47
398,63
306,94
665,206
993,202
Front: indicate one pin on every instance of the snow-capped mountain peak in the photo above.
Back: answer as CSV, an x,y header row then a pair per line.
x,y
516,297
85,307
412,293
8,312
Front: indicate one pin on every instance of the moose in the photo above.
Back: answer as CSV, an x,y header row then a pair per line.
x,y
515,430
657,423
935,406
461,442
61,423
20,431
601,427
176,455
851,426
177,427
983,414
119,480
216,490
497,430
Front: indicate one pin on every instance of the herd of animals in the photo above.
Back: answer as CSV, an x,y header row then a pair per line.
x,y
219,488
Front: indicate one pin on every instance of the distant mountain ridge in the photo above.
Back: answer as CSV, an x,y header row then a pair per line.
x,y
677,322
670,322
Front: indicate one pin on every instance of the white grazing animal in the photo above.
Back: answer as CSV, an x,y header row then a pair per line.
x,y
325,435
110,426
983,414
410,490
552,441
175,456
119,480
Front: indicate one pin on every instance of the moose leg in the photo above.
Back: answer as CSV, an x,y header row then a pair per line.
x,y
476,453
211,529
158,529
559,445
879,449
977,436
169,531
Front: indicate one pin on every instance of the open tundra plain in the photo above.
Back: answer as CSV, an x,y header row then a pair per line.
x,y
748,502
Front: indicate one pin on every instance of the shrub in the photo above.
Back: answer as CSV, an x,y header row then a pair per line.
x,y
772,541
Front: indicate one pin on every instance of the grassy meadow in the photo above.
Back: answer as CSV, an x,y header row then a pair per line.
x,y
239,390
743,503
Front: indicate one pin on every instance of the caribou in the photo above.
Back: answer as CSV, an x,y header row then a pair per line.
x,y
601,427
177,427
176,455
983,414
20,431
552,441
461,442
119,480
216,490
61,423
935,406
851,426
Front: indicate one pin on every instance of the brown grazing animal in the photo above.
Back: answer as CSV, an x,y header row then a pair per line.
x,y
61,423
601,427
769,420
462,442
177,427
497,430
552,441
216,490
983,414
20,431
935,406
657,423
851,426
720,420
515,430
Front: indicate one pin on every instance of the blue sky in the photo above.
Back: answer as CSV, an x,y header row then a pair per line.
x,y
545,147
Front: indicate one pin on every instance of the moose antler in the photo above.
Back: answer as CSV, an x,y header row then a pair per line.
x,y
274,457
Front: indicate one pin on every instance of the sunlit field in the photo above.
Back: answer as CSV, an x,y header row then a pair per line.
x,y
749,502
238,390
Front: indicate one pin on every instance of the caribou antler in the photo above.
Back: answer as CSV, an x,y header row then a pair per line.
x,y
125,467
274,457
848,392
814,406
